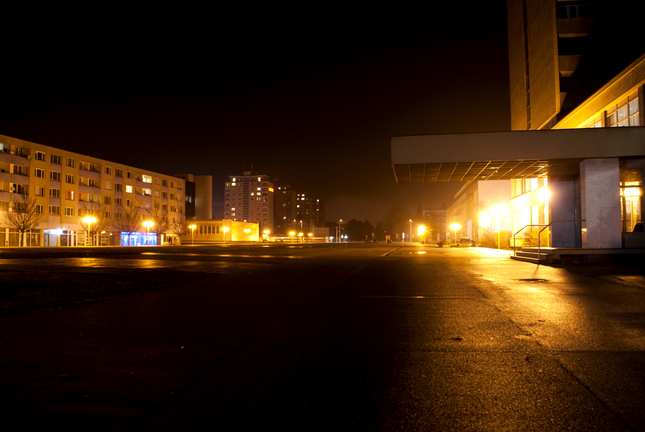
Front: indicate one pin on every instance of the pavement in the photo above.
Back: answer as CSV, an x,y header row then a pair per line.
x,y
334,337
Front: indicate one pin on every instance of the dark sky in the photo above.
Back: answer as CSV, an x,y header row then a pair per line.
x,y
307,96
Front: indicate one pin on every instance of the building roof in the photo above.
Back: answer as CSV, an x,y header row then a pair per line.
x,y
508,155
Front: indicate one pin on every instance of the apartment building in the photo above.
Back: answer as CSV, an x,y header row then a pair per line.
x,y
250,198
67,187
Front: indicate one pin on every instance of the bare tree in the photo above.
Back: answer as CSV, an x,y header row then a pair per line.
x,y
160,218
23,216
127,220
178,225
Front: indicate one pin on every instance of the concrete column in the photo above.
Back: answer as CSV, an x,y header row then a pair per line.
x,y
562,206
600,203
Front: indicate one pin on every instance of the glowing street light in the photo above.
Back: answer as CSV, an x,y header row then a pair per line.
x,y
148,224
498,211
421,232
225,229
410,229
455,227
89,220
192,233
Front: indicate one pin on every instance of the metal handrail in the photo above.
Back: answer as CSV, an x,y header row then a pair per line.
x,y
522,229
552,222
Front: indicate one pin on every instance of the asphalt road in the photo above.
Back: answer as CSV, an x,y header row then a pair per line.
x,y
341,337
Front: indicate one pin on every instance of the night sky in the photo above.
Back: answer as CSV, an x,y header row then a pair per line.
x,y
307,96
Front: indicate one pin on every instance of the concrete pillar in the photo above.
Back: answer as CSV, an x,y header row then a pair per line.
x,y
600,203
562,206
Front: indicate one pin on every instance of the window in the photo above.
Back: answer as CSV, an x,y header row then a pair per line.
x,y
39,191
54,210
118,172
39,156
146,178
118,201
69,178
107,215
633,112
69,195
129,174
172,184
118,187
55,159
107,185
128,188
69,211
40,173
108,170
164,182
107,200
70,162
54,193
53,175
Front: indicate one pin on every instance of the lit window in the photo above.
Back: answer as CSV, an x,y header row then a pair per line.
x,y
128,188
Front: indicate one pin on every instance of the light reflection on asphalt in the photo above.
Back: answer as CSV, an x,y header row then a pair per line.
x,y
130,263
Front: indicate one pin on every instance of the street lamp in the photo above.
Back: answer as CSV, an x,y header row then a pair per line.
x,y
455,227
148,224
422,230
410,230
339,230
498,211
225,229
192,233
89,220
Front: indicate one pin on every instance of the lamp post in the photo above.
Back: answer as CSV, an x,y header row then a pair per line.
x,y
89,220
455,227
498,211
410,241
421,232
148,224
192,233
225,229
339,229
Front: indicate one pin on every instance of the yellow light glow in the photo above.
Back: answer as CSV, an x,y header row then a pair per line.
x,y
631,192
310,235
299,234
544,194
247,230
226,229
455,226
422,230
498,211
89,219
148,224
292,233
192,227
484,219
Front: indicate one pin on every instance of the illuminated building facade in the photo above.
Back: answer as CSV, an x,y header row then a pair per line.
x,y
67,187
576,155
250,198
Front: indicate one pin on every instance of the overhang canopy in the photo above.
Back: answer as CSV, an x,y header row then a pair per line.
x,y
508,155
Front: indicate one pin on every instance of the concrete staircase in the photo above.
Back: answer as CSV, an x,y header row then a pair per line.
x,y
530,254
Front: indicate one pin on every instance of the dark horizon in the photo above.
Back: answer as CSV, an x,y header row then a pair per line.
x,y
312,106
